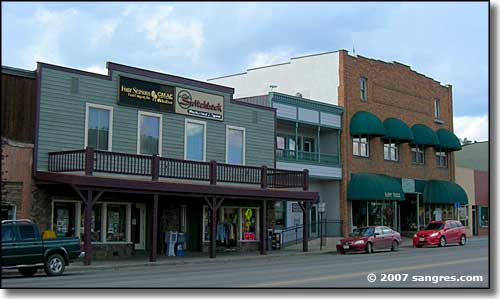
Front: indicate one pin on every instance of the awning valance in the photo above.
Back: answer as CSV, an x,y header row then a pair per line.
x,y
397,129
448,141
424,135
370,186
366,123
444,192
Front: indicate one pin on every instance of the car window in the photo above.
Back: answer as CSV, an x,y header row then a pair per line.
x,y
364,231
459,224
435,225
7,233
386,230
453,224
27,232
378,230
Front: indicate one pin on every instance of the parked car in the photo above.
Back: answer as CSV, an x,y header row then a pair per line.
x,y
369,239
441,233
24,249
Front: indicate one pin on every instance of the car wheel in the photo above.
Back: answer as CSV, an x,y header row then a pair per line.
x,y
54,265
369,248
442,242
462,240
342,252
28,272
395,245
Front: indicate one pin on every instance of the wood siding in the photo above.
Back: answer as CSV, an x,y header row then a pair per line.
x,y
18,107
62,120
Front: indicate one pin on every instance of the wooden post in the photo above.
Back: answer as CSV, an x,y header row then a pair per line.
x,y
87,228
154,239
155,167
305,229
89,160
213,172
305,184
263,227
263,177
213,230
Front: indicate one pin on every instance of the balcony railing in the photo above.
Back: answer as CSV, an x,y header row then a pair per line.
x,y
90,161
307,157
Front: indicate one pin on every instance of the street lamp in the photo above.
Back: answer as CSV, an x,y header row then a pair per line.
x,y
321,209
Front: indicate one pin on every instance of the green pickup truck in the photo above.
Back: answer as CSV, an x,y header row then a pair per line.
x,y
24,249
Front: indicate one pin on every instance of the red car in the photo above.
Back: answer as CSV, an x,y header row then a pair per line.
x,y
440,233
369,239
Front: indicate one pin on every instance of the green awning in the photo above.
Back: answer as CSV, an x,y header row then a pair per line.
x,y
366,123
448,141
370,186
424,135
397,129
444,192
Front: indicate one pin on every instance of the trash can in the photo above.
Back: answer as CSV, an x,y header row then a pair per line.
x,y
179,249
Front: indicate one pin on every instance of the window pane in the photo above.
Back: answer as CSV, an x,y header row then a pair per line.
x,y
7,233
386,151
280,142
484,217
249,218
95,223
149,134
115,231
64,219
355,146
235,146
195,141
98,128
26,232
364,150
291,143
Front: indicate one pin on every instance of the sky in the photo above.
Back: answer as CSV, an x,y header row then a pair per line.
x,y
447,41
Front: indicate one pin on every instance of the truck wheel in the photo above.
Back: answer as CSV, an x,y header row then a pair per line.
x,y
28,272
54,265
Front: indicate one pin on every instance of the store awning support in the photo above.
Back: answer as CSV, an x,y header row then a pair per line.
x,y
214,206
263,225
154,238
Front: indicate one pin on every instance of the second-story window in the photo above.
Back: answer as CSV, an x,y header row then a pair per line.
x,y
194,140
363,87
391,151
441,159
98,126
149,133
360,146
437,109
235,145
418,154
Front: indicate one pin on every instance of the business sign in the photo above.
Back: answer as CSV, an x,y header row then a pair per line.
x,y
408,185
144,94
199,104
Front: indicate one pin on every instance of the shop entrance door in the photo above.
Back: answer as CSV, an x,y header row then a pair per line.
x,y
138,230
194,218
408,212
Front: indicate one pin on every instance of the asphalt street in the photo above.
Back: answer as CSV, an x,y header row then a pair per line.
x,y
423,267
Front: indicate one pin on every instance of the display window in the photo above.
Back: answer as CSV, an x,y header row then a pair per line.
x,y
115,226
64,219
233,224
95,224
249,217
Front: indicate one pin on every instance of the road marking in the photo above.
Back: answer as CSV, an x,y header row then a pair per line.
x,y
350,275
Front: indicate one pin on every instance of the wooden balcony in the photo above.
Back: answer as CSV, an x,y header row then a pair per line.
x,y
89,161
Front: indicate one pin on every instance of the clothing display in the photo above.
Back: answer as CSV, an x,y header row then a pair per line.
x,y
226,234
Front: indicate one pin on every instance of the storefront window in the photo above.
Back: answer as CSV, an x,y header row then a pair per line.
x,y
359,214
227,232
99,127
207,222
375,213
149,133
95,223
249,218
115,230
484,217
279,212
8,212
463,215
195,140
388,213
235,145
64,219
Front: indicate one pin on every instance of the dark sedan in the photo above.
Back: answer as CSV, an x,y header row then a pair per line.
x,y
369,239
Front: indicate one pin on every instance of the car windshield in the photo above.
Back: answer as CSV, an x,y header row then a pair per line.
x,y
434,226
364,232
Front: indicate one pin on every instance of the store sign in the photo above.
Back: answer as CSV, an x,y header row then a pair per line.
x,y
392,195
144,94
408,185
248,236
199,104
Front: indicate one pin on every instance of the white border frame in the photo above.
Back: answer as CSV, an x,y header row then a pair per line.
x,y
160,140
98,106
199,122
228,127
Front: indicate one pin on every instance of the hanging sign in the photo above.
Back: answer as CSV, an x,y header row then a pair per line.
x,y
143,94
199,104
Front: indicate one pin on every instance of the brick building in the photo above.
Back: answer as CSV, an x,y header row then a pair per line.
x,y
396,142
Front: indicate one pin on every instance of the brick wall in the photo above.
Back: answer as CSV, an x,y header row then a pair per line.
x,y
394,90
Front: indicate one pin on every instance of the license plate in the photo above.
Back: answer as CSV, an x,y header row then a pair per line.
x,y
346,246
421,239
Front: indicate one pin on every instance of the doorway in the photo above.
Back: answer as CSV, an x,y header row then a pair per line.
x,y
138,230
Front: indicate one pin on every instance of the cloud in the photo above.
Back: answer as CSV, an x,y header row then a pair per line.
x,y
274,56
97,69
471,127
